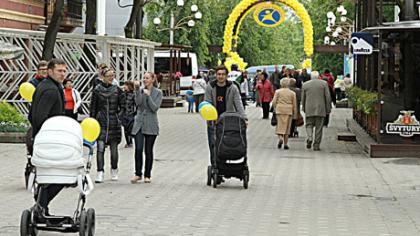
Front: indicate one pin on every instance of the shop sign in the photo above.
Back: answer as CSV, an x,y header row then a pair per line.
x,y
406,125
362,43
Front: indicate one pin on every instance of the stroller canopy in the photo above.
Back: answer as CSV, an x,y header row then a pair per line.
x,y
59,144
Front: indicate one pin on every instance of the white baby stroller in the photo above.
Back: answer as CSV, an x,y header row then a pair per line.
x,y
58,159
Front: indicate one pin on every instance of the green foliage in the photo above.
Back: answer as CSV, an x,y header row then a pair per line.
x,y
362,99
257,45
318,10
11,120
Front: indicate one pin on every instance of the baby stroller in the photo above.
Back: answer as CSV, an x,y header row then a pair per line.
x,y
230,151
58,159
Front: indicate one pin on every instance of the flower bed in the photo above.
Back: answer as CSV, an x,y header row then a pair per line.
x,y
365,109
13,126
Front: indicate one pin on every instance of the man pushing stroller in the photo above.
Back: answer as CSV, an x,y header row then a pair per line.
x,y
48,101
226,98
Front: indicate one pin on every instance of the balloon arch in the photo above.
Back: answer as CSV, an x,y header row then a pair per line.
x,y
238,14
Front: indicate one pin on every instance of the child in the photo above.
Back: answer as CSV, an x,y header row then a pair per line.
x,y
190,100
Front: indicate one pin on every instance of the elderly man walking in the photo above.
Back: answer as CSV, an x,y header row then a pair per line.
x,y
316,103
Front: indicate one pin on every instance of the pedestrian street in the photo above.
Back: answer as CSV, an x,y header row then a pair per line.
x,y
337,191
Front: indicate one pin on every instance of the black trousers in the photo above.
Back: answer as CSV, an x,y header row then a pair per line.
x,y
266,109
47,194
100,159
146,142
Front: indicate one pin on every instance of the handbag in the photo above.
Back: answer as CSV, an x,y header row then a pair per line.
x,y
299,120
274,119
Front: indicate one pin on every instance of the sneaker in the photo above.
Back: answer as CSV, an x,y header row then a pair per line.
x,y
147,180
317,149
308,144
114,174
135,179
286,147
99,177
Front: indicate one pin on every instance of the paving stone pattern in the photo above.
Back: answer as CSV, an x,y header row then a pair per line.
x,y
338,191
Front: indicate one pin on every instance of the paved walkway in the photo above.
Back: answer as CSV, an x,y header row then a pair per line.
x,y
338,191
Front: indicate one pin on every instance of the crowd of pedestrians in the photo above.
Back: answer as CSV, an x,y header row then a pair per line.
x,y
134,108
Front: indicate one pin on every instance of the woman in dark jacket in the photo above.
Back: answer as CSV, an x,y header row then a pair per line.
x,y
129,112
146,126
107,104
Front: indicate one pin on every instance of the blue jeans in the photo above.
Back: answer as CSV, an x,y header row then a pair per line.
x,y
211,132
147,142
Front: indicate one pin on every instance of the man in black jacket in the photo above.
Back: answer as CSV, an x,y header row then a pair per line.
x,y
48,101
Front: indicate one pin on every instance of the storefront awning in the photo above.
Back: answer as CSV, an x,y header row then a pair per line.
x,y
393,26
9,51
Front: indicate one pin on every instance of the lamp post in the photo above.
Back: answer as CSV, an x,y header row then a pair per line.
x,y
338,29
174,25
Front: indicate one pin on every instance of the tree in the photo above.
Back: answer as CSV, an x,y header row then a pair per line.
x,y
90,28
52,30
136,18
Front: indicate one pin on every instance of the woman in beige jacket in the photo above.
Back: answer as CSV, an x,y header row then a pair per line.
x,y
284,103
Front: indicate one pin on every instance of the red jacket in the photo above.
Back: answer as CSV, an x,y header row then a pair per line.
x,y
265,91
329,78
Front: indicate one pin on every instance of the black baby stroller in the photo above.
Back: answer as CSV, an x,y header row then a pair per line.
x,y
58,159
230,151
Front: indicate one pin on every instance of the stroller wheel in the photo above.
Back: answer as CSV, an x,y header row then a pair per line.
x,y
246,179
209,176
90,222
215,177
83,224
26,227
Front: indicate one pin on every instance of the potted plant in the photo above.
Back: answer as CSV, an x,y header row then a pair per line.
x,y
13,125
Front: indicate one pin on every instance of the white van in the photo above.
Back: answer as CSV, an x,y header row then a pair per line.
x,y
189,66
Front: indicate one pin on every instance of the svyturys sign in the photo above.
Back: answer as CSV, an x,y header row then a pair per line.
x,y
406,125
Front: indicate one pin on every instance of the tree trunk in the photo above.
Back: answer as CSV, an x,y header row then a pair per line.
x,y
90,25
90,28
128,29
52,30
139,21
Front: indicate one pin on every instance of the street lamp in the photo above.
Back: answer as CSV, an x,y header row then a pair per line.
x,y
338,30
189,20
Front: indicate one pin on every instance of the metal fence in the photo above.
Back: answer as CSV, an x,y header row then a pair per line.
x,y
130,58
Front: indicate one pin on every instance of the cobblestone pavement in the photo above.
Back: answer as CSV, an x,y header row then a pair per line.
x,y
338,191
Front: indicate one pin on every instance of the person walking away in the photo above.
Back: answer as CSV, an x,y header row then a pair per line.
x,y
225,97
329,78
284,104
48,101
72,99
316,103
275,78
265,91
190,100
106,106
146,127
199,88
127,118
348,83
298,92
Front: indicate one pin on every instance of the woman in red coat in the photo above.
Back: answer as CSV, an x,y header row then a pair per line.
x,y
266,93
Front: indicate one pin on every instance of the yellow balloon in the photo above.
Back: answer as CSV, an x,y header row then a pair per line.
x,y
91,129
27,90
208,112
